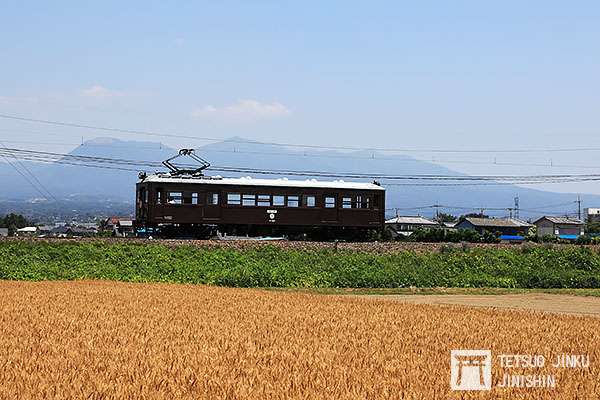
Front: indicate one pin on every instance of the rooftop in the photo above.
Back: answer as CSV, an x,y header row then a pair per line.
x,y
248,181
498,222
412,220
562,220
28,229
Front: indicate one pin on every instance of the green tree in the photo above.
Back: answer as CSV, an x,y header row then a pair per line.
x,y
443,217
14,220
592,227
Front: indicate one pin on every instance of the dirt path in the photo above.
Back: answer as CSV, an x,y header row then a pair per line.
x,y
535,302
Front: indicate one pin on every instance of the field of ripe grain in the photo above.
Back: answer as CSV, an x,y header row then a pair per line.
x,y
86,339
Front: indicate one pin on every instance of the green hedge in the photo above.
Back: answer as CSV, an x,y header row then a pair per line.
x,y
270,266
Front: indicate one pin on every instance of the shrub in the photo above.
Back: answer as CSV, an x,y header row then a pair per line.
x,y
451,266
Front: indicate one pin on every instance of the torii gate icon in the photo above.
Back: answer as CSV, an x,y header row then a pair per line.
x,y
471,370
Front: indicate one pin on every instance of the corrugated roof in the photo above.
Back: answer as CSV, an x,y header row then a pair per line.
x,y
562,220
413,220
498,222
247,181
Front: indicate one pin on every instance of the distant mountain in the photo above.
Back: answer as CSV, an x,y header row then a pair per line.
x,y
66,181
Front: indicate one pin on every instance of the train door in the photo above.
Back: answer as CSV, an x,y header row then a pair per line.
x,y
212,206
142,204
329,212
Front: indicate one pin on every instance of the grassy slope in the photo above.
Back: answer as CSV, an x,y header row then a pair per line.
x,y
268,266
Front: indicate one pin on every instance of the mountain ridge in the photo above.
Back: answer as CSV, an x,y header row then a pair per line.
x,y
65,180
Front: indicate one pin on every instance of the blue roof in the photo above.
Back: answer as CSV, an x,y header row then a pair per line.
x,y
568,237
511,237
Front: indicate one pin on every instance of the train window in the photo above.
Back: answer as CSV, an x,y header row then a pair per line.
x,y
249,200
363,201
264,200
159,196
234,199
376,201
175,198
212,199
329,202
346,202
278,200
308,200
195,198
292,201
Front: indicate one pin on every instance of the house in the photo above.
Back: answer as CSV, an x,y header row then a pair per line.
x,y
510,229
125,228
120,226
27,231
60,231
3,232
449,225
406,225
45,230
592,214
559,227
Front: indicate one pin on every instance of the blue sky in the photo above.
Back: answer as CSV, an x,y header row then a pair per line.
x,y
463,74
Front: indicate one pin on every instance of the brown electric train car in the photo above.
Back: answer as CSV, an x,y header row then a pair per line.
x,y
196,205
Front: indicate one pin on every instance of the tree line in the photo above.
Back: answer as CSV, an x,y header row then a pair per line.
x,y
13,222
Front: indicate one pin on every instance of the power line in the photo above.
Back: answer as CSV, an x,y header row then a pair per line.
x,y
36,155
23,175
35,178
454,180
330,147
495,162
465,209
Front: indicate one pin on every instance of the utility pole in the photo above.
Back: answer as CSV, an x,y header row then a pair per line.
x,y
579,207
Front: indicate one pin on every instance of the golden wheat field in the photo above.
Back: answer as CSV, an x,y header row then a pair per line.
x,y
106,340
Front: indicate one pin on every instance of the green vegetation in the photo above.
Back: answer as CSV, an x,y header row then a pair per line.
x,y
452,236
272,266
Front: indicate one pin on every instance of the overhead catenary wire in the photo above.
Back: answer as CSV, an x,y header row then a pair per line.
x,y
433,209
36,188
325,155
33,177
59,157
283,144
125,164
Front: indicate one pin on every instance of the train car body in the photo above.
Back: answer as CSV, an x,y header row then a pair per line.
x,y
184,205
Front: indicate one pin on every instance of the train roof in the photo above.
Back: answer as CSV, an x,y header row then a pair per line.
x,y
248,181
